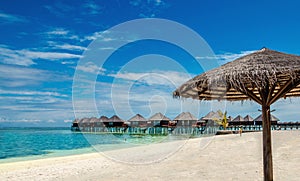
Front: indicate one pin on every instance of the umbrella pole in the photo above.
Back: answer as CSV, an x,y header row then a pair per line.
x,y
267,144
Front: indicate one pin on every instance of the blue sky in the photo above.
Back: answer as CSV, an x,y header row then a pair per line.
x,y
43,44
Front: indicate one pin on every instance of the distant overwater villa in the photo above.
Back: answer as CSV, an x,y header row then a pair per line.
x,y
184,123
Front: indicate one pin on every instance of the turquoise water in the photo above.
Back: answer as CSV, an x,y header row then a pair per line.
x,y
18,144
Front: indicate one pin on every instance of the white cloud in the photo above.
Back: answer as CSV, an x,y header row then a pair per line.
x,y
105,36
68,62
85,9
92,9
107,48
40,93
2,120
128,99
171,78
90,67
27,57
15,57
71,47
49,55
149,8
68,121
227,57
94,36
51,121
58,31
19,76
9,18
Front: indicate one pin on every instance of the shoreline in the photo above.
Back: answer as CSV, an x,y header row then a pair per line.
x,y
210,158
96,148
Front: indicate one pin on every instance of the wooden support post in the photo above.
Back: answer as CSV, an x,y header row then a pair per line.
x,y
267,144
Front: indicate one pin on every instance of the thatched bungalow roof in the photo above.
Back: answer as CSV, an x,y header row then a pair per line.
x,y
93,120
210,116
239,118
76,120
248,118
103,119
85,120
137,118
185,116
159,117
259,118
115,118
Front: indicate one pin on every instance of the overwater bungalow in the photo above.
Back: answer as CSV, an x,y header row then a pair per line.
x,y
248,120
93,121
273,119
100,121
114,121
184,123
137,124
85,122
158,120
185,119
209,119
137,121
209,116
75,125
239,120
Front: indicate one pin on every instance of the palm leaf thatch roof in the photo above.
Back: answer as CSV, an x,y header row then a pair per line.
x,y
85,120
77,120
259,118
159,117
185,116
137,118
93,120
238,118
248,118
210,116
243,78
115,118
263,76
103,119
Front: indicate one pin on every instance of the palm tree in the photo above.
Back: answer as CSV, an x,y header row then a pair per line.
x,y
222,119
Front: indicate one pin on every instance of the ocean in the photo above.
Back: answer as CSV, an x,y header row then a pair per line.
x,y
19,144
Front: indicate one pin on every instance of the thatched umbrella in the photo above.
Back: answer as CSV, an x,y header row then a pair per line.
x,y
263,76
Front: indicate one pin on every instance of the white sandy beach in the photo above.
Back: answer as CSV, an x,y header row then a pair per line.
x,y
227,157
